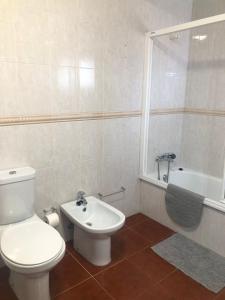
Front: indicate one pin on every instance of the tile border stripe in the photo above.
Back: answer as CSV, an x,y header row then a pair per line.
x,y
188,110
24,120
36,119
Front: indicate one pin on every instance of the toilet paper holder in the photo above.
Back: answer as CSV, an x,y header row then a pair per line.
x,y
50,211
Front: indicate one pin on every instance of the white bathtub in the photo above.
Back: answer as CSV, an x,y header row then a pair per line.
x,y
212,188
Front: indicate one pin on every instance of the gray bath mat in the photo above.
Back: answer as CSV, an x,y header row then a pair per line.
x,y
201,264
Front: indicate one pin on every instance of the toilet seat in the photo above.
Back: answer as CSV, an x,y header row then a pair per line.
x,y
30,245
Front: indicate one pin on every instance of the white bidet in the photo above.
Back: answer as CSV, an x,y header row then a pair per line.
x,y
94,223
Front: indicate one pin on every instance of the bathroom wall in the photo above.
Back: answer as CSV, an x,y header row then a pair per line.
x,y
80,62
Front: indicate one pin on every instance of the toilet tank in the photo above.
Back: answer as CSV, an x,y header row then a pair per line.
x,y
16,195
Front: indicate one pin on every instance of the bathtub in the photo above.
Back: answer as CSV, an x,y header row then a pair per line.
x,y
212,188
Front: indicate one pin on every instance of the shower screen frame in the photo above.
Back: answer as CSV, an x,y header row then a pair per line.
x,y
147,84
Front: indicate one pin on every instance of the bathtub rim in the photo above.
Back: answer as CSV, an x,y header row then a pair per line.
x,y
214,204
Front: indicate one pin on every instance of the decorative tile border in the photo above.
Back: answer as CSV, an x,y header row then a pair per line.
x,y
166,111
206,112
188,110
24,120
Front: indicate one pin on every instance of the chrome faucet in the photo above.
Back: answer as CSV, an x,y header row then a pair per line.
x,y
81,200
169,157
166,157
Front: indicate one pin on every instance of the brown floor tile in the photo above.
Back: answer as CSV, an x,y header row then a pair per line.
x,y
88,266
89,290
158,295
154,266
221,295
124,281
66,274
6,293
153,231
135,219
126,242
179,286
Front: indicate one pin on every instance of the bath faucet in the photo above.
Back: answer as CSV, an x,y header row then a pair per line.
x,y
166,157
169,157
81,200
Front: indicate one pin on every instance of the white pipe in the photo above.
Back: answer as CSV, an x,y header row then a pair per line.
x,y
187,26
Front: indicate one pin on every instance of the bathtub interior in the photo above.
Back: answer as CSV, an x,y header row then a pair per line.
x,y
208,186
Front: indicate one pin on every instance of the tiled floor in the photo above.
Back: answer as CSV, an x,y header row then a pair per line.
x,y
136,272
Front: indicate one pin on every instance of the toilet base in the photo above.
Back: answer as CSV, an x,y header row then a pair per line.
x,y
27,287
96,248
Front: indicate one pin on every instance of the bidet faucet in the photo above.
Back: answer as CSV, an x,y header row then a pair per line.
x,y
81,200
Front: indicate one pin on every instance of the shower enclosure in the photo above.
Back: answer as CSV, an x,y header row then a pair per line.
x,y
183,132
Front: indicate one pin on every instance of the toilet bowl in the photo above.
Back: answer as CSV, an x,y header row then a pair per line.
x,y
30,249
28,246
94,224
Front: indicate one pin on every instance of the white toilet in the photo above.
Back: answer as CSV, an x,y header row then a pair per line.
x,y
29,247
94,223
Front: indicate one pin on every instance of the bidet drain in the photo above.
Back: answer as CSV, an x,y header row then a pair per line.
x,y
89,224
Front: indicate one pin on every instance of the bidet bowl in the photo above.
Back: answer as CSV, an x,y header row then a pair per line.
x,y
96,217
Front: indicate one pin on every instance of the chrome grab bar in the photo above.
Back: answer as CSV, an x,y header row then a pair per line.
x,y
122,190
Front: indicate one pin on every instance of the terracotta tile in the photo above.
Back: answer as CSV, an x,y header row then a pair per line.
x,y
89,290
88,266
154,266
135,219
221,295
153,231
66,274
158,295
127,242
179,286
6,293
124,281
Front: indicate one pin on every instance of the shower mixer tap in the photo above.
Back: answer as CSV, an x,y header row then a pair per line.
x,y
169,157
166,157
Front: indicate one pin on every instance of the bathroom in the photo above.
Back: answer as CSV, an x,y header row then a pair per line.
x,y
114,99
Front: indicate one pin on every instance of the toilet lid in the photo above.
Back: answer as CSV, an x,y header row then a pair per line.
x,y
31,244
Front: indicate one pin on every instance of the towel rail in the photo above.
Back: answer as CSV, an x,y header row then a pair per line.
x,y
122,190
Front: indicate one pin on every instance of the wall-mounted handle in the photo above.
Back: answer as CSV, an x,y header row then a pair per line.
x,y
122,190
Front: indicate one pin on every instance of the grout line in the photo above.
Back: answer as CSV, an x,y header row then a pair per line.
x,y
72,287
132,229
100,271
166,277
92,276
105,290
109,267
74,258
136,252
